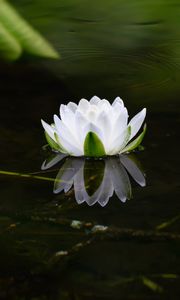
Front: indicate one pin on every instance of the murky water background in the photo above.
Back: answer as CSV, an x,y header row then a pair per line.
x,y
112,48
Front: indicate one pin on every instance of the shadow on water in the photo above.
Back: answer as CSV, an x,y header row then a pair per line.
x,y
51,247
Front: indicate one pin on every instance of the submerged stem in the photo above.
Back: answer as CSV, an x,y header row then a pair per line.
x,y
9,173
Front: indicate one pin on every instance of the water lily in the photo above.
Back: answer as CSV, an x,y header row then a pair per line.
x,y
94,128
96,181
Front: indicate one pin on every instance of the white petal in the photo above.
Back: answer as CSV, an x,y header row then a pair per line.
x,y
120,123
68,118
136,122
66,113
64,131
72,106
119,101
117,110
92,115
49,129
104,123
70,148
66,138
120,142
80,123
104,105
95,100
83,105
90,127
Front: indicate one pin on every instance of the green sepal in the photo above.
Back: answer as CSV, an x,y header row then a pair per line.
x,y
51,142
61,148
134,144
93,147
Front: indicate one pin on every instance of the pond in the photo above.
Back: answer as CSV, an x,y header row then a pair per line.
x,y
123,241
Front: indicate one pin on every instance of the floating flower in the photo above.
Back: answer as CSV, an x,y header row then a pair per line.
x,y
94,128
96,181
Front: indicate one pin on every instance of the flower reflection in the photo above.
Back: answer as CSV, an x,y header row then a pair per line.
x,y
96,180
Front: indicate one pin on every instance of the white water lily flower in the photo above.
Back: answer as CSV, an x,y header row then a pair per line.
x,y
94,128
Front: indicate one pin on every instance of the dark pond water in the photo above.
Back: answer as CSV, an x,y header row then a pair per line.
x,y
52,246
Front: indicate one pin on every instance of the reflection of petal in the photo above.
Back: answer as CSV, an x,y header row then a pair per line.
x,y
79,186
95,181
107,188
101,195
68,186
53,160
66,174
120,179
133,169
103,202
80,190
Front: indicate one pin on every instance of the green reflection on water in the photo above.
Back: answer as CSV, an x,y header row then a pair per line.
x,y
93,176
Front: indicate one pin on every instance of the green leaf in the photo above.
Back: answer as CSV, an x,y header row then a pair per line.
x,y
134,144
93,147
29,39
51,142
10,48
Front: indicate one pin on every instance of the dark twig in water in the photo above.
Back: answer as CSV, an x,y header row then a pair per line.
x,y
102,232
